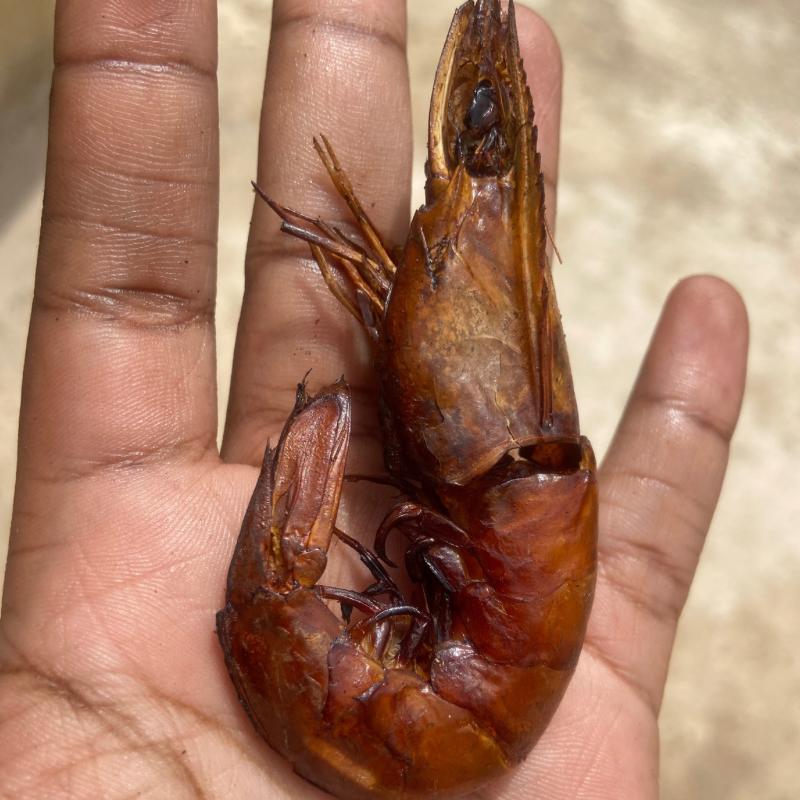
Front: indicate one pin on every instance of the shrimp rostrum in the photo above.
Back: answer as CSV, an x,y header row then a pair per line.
x,y
432,691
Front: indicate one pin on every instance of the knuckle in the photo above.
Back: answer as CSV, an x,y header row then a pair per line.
x,y
132,306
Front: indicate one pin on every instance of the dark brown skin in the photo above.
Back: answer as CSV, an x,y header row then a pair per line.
x,y
434,694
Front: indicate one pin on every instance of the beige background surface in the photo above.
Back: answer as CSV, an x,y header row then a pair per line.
x,y
680,154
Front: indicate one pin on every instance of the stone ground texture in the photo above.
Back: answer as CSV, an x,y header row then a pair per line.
x,y
680,154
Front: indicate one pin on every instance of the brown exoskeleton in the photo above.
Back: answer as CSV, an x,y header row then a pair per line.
x,y
436,692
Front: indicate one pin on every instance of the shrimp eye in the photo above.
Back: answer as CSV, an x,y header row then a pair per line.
x,y
482,113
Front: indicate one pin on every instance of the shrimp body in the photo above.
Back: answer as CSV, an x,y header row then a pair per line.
x,y
435,692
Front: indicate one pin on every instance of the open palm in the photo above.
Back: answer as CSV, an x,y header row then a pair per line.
x,y
112,682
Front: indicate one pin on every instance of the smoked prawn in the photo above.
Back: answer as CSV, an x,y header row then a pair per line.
x,y
436,691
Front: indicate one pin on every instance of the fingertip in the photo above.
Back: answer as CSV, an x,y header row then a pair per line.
x,y
698,354
541,51
708,317
716,303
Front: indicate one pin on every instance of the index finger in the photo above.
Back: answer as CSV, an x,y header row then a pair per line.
x,y
120,361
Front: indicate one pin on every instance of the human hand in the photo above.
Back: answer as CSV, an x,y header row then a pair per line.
x,y
112,682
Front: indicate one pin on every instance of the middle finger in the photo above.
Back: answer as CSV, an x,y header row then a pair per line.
x,y
336,67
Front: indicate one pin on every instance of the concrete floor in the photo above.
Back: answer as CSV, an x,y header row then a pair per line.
x,y
680,154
